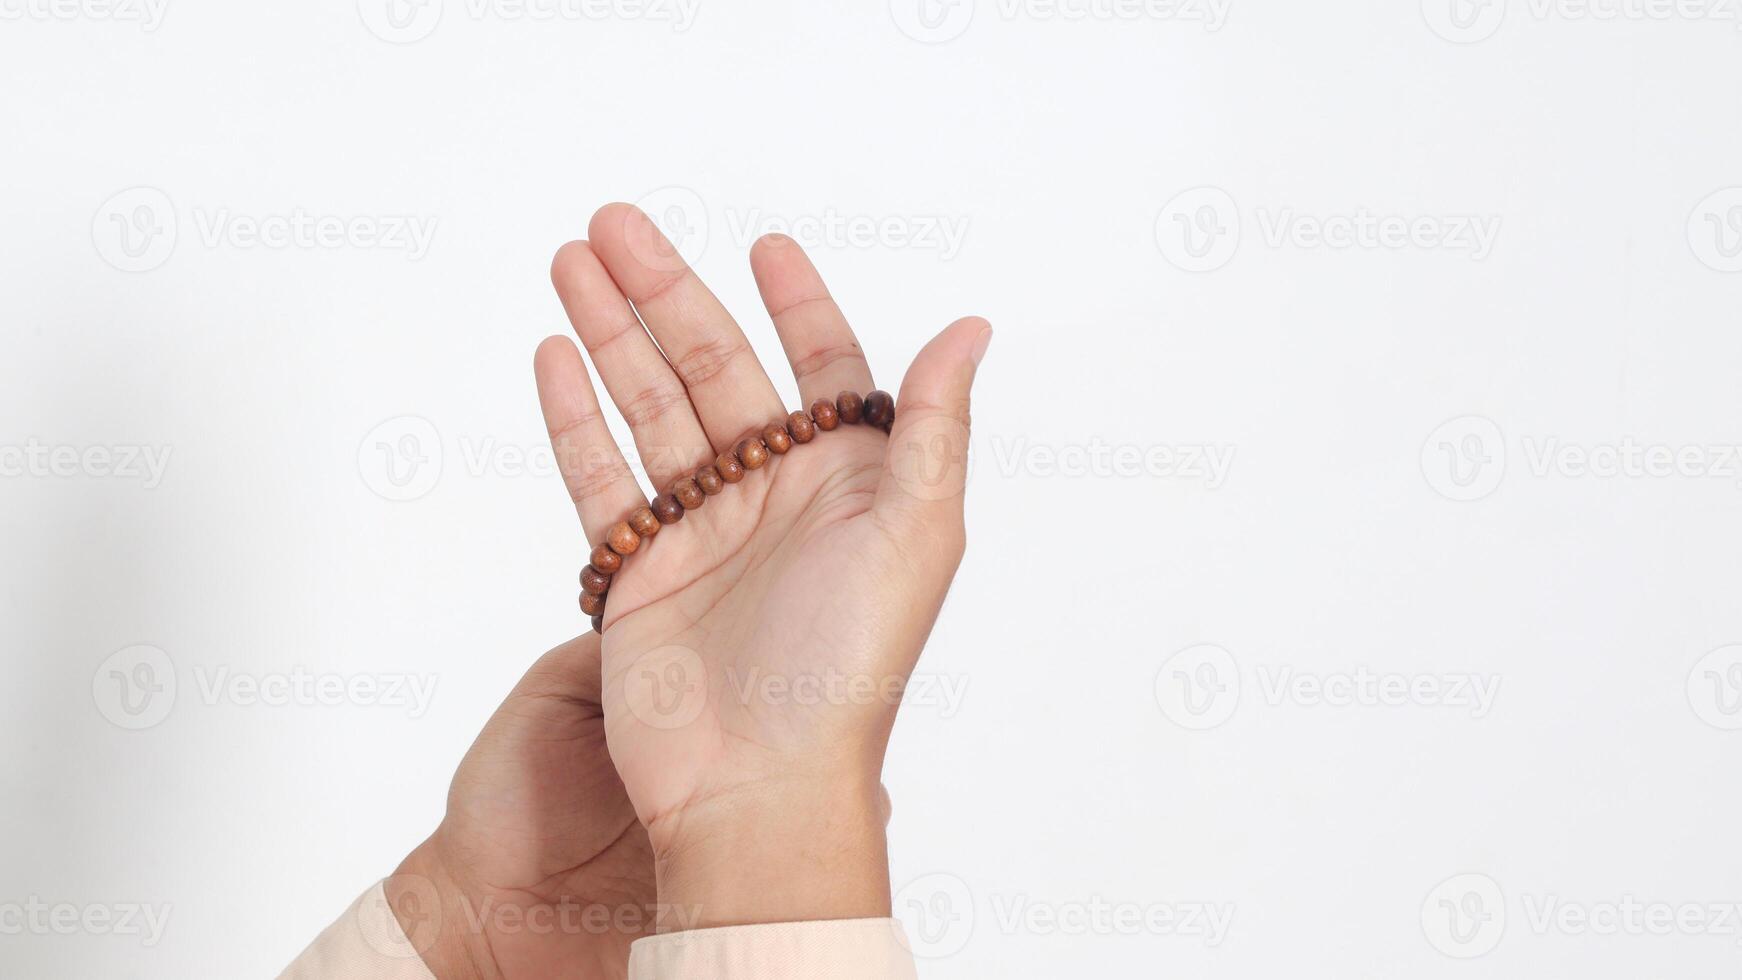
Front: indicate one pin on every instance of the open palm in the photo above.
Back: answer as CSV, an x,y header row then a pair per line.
x,y
755,650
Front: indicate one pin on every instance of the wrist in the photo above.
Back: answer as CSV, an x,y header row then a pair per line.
x,y
430,908
779,851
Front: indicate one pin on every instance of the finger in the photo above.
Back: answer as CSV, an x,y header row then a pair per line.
x,y
920,494
661,419
726,384
598,479
826,357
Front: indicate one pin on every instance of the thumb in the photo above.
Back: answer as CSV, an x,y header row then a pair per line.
x,y
927,468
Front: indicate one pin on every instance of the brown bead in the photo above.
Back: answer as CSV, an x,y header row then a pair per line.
x,y
667,509
598,624
776,438
731,470
594,581
880,410
592,605
823,413
752,453
709,479
688,492
606,560
642,521
802,428
623,539
849,404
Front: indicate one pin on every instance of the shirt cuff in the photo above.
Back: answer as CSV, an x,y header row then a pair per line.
x,y
366,943
843,949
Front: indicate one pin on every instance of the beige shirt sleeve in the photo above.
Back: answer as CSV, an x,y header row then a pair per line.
x,y
366,943
844,949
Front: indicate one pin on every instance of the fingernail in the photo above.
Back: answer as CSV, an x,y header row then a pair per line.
x,y
980,345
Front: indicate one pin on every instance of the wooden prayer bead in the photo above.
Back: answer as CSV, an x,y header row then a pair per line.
x,y
709,479
598,624
752,453
606,560
731,470
880,410
776,438
802,428
592,605
642,522
823,413
623,539
667,509
594,581
688,492
850,405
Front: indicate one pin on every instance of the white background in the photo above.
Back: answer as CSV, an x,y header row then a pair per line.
x,y
1077,770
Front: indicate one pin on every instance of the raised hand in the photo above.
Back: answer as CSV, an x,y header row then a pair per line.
x,y
754,652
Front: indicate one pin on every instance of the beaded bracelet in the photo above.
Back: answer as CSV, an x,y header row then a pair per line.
x,y
624,538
